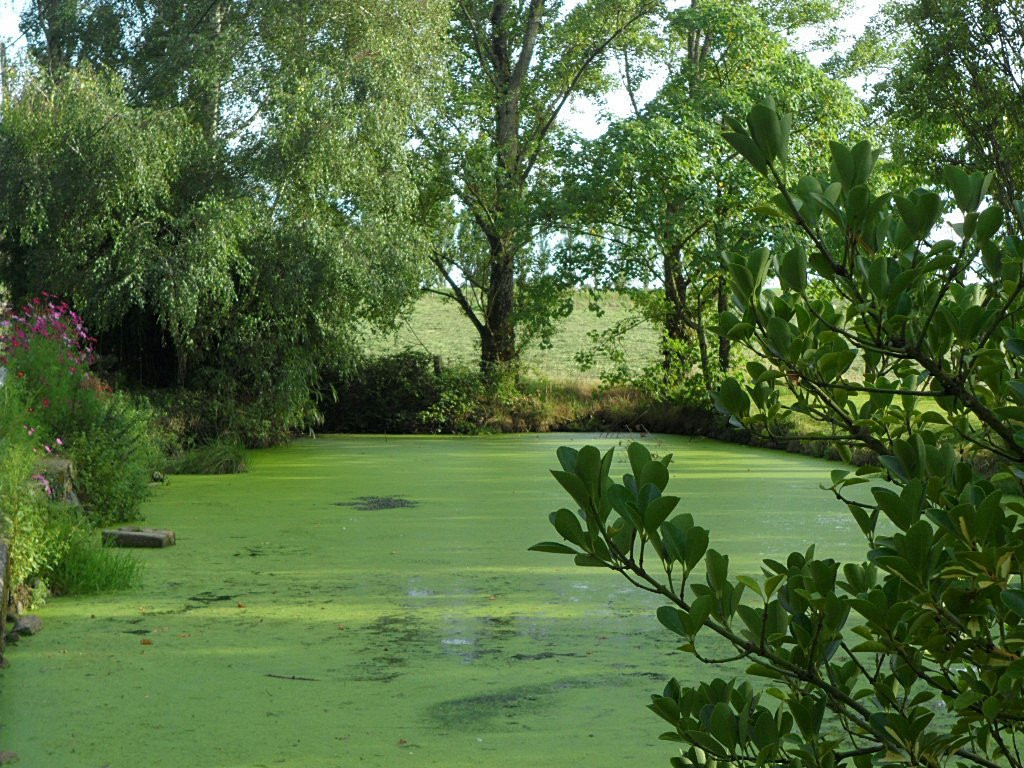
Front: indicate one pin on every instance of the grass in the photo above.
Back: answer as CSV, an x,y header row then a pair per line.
x,y
86,567
439,327
222,457
298,624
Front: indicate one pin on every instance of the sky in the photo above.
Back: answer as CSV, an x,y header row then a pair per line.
x,y
589,118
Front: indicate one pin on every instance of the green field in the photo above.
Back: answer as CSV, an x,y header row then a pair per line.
x,y
294,625
438,327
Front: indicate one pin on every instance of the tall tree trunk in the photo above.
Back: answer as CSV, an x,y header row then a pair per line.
x,y
702,344
675,313
498,352
209,94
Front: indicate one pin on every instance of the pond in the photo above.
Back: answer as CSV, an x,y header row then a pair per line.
x,y
358,600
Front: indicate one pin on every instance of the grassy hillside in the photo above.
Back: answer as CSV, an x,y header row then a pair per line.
x,y
439,327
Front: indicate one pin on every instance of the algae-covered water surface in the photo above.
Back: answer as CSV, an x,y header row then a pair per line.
x,y
371,601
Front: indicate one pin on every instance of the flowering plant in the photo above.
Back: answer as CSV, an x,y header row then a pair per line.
x,y
46,346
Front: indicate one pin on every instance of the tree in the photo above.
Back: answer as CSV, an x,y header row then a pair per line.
x,y
512,69
861,658
279,192
953,90
659,194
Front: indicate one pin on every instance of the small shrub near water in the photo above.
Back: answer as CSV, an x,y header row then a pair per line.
x,y
114,458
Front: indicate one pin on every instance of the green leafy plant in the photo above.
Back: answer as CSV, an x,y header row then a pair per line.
x,y
914,654
114,457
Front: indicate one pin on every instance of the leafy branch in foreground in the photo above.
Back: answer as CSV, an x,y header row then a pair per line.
x,y
912,656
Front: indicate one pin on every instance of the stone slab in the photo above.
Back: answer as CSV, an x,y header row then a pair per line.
x,y
138,537
27,624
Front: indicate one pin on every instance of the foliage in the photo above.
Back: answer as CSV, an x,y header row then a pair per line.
x,y
951,90
22,498
48,350
861,657
114,457
83,566
658,199
229,205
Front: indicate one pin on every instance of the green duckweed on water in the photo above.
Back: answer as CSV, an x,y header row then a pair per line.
x,y
371,601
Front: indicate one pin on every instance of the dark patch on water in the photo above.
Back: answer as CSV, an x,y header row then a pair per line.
x,y
271,549
541,656
373,503
509,704
401,629
209,597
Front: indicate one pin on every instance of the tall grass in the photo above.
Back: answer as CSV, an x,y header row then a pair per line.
x,y
87,567
221,457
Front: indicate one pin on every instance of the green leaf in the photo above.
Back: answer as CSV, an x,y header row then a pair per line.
x,y
553,547
863,162
567,458
588,468
731,399
673,619
639,457
748,149
751,584
718,570
574,486
658,511
697,540
1014,600
568,526
792,270
989,222
766,130
654,473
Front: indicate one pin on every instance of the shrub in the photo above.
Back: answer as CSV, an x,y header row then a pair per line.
x,y
457,408
403,392
22,511
108,436
915,654
22,496
47,349
114,457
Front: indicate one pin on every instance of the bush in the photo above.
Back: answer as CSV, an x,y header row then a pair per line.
x,y
107,435
22,512
401,393
114,460
915,652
